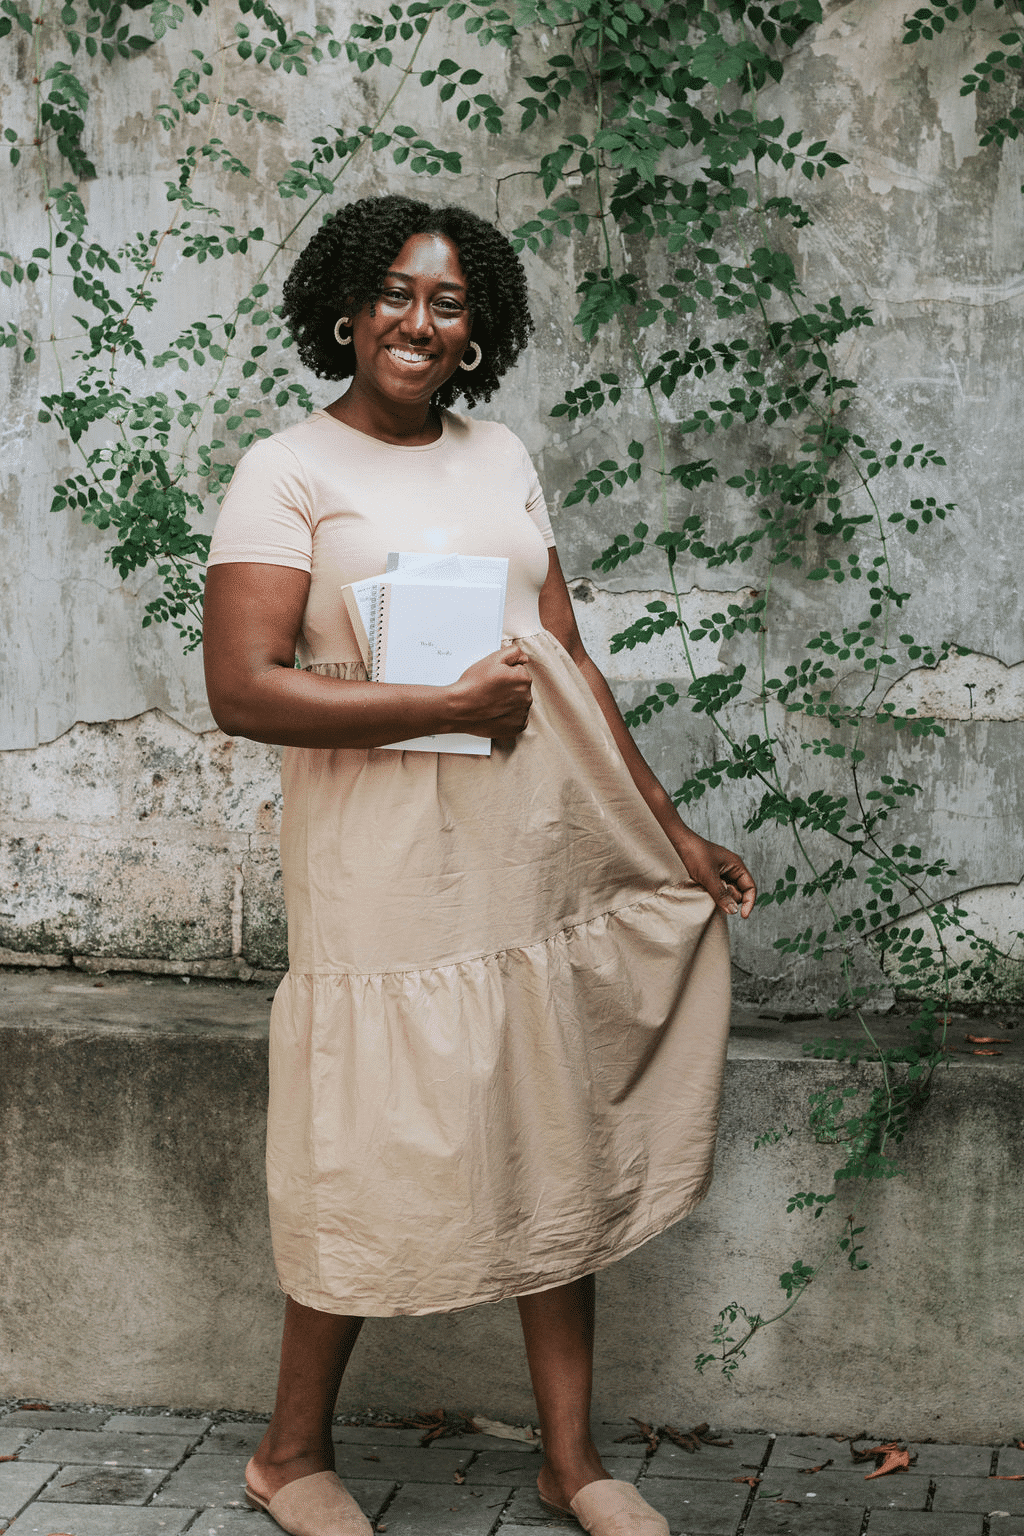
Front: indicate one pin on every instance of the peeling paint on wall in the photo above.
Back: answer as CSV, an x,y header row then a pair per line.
x,y
993,914
601,614
962,688
141,841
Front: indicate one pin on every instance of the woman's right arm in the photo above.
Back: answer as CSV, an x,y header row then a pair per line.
x,y
252,617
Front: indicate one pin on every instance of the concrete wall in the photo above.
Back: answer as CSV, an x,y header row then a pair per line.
x,y
129,833
136,1258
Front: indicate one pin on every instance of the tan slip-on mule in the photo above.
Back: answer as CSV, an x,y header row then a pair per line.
x,y
613,1508
318,1505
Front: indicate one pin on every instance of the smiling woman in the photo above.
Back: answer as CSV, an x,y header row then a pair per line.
x,y
497,1054
409,342
343,272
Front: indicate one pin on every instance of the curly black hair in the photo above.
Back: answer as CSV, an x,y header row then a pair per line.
x,y
346,262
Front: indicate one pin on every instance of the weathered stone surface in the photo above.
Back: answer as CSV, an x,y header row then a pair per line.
x,y
264,936
137,1264
99,892
50,1418
962,688
942,1461
99,1520
457,1511
232,1440
371,1496
134,840
83,1447
400,1464
897,1491
371,1435
893,1522
155,1424
21,1481
531,1530
524,1511
102,1485
206,1480
601,614
1011,1460
11,1440
229,1522
520,1471
742,1459
979,1493
150,1223
697,1508
771,1518
791,1453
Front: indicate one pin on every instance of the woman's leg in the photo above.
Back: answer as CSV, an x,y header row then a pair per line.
x,y
315,1350
558,1327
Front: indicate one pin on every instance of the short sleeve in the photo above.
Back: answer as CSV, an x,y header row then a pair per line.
x,y
535,503
267,517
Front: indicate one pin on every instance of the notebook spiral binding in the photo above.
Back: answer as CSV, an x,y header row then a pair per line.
x,y
374,636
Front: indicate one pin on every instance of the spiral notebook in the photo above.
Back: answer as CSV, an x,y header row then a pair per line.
x,y
426,620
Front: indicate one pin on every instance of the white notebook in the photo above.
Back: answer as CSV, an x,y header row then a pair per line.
x,y
425,621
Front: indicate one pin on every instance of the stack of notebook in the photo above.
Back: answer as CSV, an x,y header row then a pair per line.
x,y
426,620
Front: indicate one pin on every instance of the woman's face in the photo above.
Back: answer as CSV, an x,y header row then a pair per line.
x,y
419,332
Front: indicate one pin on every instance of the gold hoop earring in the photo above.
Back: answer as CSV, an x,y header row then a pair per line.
x,y
343,341
469,367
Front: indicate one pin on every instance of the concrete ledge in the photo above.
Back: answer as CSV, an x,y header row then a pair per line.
x,y
136,1259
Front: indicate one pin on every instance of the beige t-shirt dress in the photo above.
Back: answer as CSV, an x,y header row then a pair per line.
x,y
497,1056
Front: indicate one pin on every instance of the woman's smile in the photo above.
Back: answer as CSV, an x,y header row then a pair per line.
x,y
406,355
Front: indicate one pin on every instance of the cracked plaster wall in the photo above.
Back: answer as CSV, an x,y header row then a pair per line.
x,y
132,832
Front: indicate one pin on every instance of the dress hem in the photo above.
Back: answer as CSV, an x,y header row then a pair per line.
x,y
318,1302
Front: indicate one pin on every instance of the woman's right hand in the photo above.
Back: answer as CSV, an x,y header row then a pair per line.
x,y
493,696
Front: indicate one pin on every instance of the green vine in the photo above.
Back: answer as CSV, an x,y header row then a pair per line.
x,y
645,128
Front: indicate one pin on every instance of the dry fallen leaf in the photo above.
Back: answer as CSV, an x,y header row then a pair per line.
x,y
35,1407
1020,1445
751,1482
506,1431
889,1457
680,1437
869,1452
988,1039
808,1470
1007,1477
9,1458
692,1440
440,1422
460,1477
648,1434
892,1461
986,1053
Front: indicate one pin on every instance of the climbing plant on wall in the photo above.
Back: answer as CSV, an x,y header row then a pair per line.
x,y
648,128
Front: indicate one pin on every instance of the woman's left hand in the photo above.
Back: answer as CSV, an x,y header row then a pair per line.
x,y
723,875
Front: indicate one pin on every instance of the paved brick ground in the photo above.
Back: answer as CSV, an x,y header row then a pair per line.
x,y
104,1472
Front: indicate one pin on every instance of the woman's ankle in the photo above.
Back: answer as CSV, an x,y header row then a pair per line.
x,y
564,1473
293,1453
